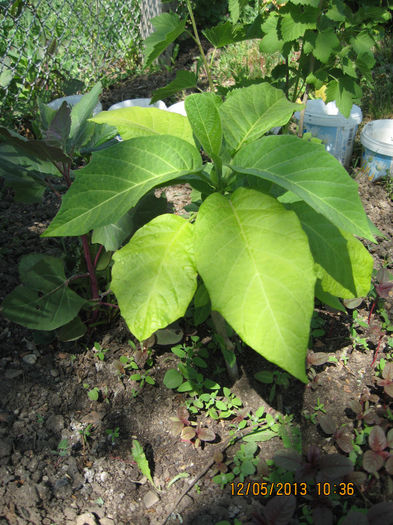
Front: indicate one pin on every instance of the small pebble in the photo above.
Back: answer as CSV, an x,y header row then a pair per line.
x,y
29,359
12,373
150,499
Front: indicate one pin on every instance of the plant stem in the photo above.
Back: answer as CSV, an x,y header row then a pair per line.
x,y
98,255
90,268
219,325
198,43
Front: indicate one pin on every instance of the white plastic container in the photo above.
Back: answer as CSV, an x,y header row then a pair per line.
x,y
140,102
328,124
72,100
377,140
178,108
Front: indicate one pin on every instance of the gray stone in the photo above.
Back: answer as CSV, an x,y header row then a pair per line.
x,y
150,499
70,514
106,521
12,373
61,488
29,359
5,447
87,518
55,423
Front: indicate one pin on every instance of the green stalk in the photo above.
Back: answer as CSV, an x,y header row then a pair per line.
x,y
198,43
219,325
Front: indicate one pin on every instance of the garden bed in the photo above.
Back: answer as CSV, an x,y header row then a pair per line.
x,y
65,458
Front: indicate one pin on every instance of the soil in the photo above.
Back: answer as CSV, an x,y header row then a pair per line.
x,y
94,480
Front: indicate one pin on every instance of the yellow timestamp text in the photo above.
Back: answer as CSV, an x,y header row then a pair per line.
x,y
287,489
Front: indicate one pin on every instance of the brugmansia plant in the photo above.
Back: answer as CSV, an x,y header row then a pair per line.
x,y
333,43
274,224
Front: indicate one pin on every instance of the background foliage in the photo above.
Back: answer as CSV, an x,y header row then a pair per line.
x,y
52,48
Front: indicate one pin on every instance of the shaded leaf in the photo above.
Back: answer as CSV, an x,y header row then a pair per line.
x,y
72,330
334,466
280,509
372,462
380,514
168,27
172,378
288,459
43,301
183,80
327,423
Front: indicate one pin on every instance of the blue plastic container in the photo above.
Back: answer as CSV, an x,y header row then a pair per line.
x,y
329,125
377,140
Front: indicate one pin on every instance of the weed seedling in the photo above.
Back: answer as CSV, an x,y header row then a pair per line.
x,y
86,434
113,434
62,448
94,394
100,351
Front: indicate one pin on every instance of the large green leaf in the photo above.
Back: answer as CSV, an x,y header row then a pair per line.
x,y
255,261
296,22
25,174
142,122
346,265
43,301
38,149
154,276
117,177
168,27
183,80
202,112
79,117
344,92
250,112
271,42
306,169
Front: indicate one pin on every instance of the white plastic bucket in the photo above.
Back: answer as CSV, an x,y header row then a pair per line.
x,y
329,125
178,108
377,140
140,102
72,100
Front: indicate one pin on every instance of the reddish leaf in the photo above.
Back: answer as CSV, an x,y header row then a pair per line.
x,y
288,459
279,510
322,516
205,434
377,439
334,466
387,372
372,462
317,358
359,478
355,518
344,440
188,433
355,406
389,389
384,289
327,423
389,465
380,514
176,425
389,438
183,415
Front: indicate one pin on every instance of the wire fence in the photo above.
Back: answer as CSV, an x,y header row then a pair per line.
x,y
55,47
